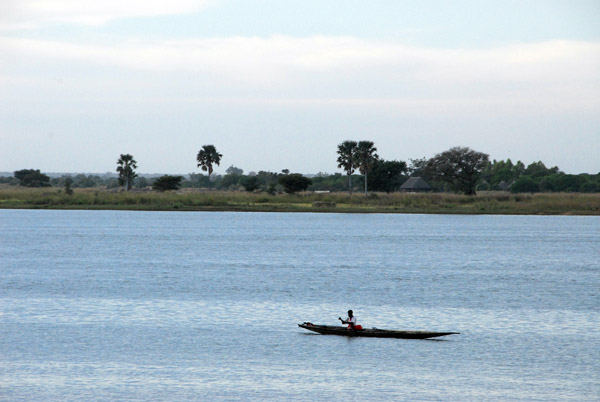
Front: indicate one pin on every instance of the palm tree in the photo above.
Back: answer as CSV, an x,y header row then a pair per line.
x,y
365,158
126,165
208,156
346,159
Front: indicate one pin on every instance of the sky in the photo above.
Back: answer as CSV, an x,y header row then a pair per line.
x,y
278,84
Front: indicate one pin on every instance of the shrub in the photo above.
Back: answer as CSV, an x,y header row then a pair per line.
x,y
166,182
295,182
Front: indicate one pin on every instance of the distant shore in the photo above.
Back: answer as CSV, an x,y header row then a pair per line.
x,y
493,203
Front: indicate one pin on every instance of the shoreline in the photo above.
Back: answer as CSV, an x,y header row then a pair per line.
x,y
484,203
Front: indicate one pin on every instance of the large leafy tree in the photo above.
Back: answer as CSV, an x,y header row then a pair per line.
x,y
365,159
292,183
32,178
460,167
346,159
417,167
207,157
126,166
388,176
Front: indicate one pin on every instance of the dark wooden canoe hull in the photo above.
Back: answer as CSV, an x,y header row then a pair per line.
x,y
372,333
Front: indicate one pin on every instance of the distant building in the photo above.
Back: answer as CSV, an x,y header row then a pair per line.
x,y
415,185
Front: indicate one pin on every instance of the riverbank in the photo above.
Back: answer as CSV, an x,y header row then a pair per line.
x,y
206,200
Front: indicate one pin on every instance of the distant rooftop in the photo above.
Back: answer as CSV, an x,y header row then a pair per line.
x,y
415,184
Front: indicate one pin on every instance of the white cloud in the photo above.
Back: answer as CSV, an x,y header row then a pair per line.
x,y
362,68
23,14
330,72
312,54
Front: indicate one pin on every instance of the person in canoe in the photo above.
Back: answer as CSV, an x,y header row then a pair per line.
x,y
351,321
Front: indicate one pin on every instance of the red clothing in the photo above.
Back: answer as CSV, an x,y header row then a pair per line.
x,y
352,323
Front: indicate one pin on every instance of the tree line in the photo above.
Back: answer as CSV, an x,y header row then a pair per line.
x,y
459,169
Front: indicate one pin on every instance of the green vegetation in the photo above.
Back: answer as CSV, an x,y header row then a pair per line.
x,y
207,157
459,167
294,183
346,151
387,176
503,187
68,184
166,183
365,157
199,200
250,183
126,166
32,178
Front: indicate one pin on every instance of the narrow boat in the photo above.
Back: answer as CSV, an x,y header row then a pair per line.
x,y
373,332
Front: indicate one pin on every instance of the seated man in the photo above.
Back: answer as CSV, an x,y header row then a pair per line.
x,y
351,321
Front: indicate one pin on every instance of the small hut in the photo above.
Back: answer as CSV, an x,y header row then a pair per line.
x,y
415,185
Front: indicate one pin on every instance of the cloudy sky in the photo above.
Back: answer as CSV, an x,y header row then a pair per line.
x,y
277,84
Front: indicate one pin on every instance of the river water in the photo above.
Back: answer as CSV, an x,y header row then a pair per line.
x,y
195,306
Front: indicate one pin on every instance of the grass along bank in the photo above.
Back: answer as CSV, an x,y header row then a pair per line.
x,y
207,200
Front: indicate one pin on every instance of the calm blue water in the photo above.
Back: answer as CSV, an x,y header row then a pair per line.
x,y
171,306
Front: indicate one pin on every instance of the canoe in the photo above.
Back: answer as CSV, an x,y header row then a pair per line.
x,y
372,332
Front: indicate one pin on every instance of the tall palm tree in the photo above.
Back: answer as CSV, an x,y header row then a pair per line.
x,y
365,158
208,156
346,159
126,165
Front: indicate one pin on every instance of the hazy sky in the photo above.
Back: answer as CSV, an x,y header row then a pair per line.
x,y
277,84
